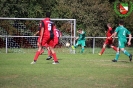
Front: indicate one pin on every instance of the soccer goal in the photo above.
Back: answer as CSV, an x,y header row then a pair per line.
x,y
17,34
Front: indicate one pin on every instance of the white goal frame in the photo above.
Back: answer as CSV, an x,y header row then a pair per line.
x,y
72,21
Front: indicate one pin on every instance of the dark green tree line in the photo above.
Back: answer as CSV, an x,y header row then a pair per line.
x,y
91,15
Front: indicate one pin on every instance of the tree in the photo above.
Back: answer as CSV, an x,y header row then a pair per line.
x,y
91,15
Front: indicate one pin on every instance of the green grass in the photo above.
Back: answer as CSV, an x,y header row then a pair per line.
x,y
85,70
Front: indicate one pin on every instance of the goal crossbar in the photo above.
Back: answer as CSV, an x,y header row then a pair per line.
x,y
72,21
6,18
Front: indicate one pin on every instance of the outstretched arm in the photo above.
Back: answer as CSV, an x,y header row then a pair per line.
x,y
36,33
77,38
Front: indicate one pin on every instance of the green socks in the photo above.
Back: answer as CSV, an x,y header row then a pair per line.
x,y
82,50
117,56
126,53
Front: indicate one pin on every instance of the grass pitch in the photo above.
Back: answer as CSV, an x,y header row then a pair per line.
x,y
85,70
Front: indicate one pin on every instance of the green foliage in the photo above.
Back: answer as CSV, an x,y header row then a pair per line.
x,y
23,8
91,15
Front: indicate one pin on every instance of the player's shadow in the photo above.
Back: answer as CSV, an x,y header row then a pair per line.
x,y
110,55
125,61
44,54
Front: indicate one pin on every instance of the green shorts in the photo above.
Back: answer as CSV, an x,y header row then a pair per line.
x,y
122,43
81,42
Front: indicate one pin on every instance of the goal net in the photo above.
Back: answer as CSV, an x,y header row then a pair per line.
x,y
17,34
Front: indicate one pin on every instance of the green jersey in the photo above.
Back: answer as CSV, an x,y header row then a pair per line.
x,y
82,36
122,32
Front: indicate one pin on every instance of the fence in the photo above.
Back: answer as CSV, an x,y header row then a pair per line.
x,y
17,33
29,42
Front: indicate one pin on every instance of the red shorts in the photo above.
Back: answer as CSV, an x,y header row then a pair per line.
x,y
108,41
56,41
46,45
48,41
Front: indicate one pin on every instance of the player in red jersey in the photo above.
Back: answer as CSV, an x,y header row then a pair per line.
x,y
57,35
38,33
46,37
108,41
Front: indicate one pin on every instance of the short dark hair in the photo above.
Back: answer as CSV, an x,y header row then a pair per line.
x,y
121,22
48,14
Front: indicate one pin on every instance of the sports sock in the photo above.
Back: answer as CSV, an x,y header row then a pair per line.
x,y
82,50
54,57
115,48
117,56
36,55
102,51
126,53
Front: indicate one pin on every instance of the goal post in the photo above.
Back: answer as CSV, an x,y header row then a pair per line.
x,y
13,29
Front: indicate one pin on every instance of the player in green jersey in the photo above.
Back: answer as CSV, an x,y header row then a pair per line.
x,y
80,40
122,32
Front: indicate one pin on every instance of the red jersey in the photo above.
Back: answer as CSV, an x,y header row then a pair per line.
x,y
109,32
48,28
47,34
57,34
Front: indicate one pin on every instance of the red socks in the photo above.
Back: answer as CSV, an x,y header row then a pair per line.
x,y
54,57
113,47
103,49
36,55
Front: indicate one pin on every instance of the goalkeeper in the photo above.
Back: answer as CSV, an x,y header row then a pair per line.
x,y
80,40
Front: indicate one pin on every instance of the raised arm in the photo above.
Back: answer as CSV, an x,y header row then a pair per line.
x,y
36,33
